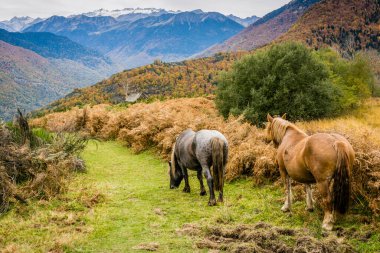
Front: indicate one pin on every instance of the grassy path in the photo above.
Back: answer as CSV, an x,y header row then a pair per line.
x,y
139,207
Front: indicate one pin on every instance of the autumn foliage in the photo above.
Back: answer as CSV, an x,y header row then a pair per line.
x,y
197,77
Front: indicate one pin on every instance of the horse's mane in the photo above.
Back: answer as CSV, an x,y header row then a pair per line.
x,y
279,127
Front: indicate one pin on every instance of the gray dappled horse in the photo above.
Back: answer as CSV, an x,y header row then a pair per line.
x,y
200,151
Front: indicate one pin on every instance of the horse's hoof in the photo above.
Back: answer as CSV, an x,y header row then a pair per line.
x,y
203,193
212,202
220,200
186,190
309,209
285,209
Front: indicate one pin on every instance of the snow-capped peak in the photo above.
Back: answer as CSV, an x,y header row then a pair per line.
x,y
126,11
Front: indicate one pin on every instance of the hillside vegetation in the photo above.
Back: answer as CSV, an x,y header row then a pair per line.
x,y
265,30
143,126
343,24
29,81
158,80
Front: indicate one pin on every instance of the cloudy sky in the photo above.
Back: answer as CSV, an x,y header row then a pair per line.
x,y
46,8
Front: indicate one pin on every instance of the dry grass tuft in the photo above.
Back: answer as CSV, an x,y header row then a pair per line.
x,y
143,126
263,237
30,171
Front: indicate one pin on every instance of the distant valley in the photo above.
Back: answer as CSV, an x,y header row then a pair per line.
x,y
43,59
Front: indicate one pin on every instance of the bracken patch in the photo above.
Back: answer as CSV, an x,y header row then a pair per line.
x,y
156,125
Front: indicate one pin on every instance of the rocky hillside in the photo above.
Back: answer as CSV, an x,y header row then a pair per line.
x,y
266,29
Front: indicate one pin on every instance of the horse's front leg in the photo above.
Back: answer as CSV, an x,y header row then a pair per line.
x,y
328,219
200,178
207,174
220,199
309,198
186,177
288,200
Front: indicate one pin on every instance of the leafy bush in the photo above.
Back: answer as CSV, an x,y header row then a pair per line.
x,y
353,78
292,78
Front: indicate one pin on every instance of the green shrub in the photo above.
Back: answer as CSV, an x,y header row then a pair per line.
x,y
291,78
286,78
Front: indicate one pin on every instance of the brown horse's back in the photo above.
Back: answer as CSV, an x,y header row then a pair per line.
x,y
321,155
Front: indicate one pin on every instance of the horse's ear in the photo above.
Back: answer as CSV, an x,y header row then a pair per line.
x,y
269,118
284,116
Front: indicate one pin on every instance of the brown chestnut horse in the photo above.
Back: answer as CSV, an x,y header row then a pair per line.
x,y
319,158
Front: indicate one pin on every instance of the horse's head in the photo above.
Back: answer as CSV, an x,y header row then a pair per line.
x,y
269,128
175,175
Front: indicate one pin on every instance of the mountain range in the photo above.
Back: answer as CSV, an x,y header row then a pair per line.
x,y
130,41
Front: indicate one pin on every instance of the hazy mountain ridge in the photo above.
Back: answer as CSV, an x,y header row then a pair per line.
x,y
29,81
52,46
244,21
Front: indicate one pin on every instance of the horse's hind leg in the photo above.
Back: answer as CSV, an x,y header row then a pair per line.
x,y
207,174
288,201
199,176
309,198
328,219
186,177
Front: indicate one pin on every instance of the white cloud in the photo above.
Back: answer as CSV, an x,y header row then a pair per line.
x,y
46,8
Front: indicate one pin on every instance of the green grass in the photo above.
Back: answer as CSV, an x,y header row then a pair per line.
x,y
139,207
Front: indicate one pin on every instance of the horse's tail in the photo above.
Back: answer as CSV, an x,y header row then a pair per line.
x,y
341,186
218,161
